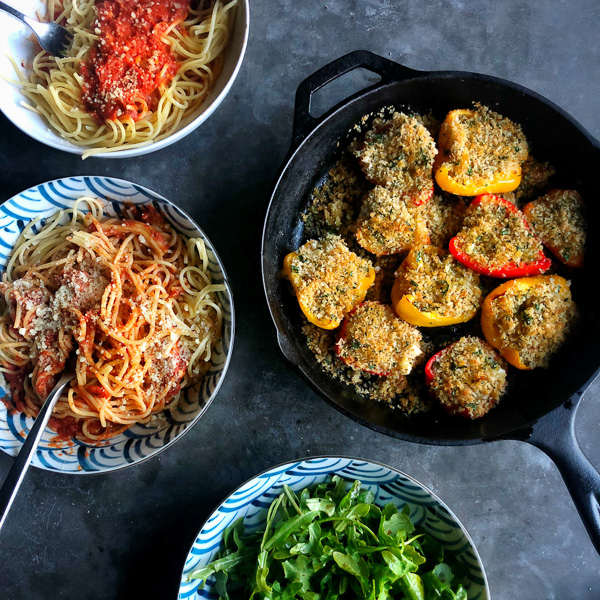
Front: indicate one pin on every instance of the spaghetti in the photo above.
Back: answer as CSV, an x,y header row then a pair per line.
x,y
130,301
137,70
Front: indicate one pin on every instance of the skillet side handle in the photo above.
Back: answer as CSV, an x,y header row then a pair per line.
x,y
555,435
287,348
388,70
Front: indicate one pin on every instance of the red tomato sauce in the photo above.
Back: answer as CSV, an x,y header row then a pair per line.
x,y
66,428
15,379
128,64
126,227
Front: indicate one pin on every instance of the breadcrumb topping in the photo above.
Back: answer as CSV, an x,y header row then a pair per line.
x,y
469,378
389,224
438,283
443,216
536,320
496,236
397,391
558,219
480,144
328,277
334,206
398,153
385,269
535,177
373,339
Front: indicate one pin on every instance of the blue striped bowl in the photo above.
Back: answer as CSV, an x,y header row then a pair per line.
x,y
141,441
252,499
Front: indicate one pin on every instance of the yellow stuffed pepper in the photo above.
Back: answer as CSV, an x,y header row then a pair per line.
x,y
328,279
432,289
479,152
528,319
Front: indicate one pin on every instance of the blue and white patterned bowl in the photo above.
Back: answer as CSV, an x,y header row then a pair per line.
x,y
252,499
141,441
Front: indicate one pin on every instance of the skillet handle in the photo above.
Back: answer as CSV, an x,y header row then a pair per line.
x,y
555,435
388,70
287,348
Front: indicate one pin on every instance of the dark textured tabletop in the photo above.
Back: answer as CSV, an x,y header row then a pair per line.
x,y
126,534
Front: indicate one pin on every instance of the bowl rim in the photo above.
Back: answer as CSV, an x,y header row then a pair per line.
x,y
57,142
289,463
225,368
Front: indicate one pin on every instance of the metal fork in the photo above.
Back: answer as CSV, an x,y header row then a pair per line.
x,y
53,38
15,476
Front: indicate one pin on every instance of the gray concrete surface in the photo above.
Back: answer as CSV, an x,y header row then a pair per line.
x,y
126,535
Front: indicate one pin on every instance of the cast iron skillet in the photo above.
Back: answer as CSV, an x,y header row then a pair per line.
x,y
542,404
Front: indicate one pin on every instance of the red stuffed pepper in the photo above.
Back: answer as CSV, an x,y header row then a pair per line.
x,y
496,240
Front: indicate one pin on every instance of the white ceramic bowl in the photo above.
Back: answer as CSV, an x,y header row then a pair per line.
x,y
141,441
15,42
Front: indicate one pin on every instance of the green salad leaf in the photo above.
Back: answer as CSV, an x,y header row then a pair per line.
x,y
331,542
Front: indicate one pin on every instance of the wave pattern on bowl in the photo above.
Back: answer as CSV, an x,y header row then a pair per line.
x,y
141,441
253,498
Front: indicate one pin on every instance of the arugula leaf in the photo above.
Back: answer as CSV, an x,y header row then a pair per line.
x,y
431,548
271,514
351,496
339,488
438,584
358,511
394,525
354,514
221,584
261,573
223,564
443,572
237,525
288,593
461,593
300,570
313,545
285,528
358,568
412,555
397,565
366,496
326,506
292,498
412,586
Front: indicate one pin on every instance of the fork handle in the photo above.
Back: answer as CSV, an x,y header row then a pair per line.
x,y
14,12
15,476
19,15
